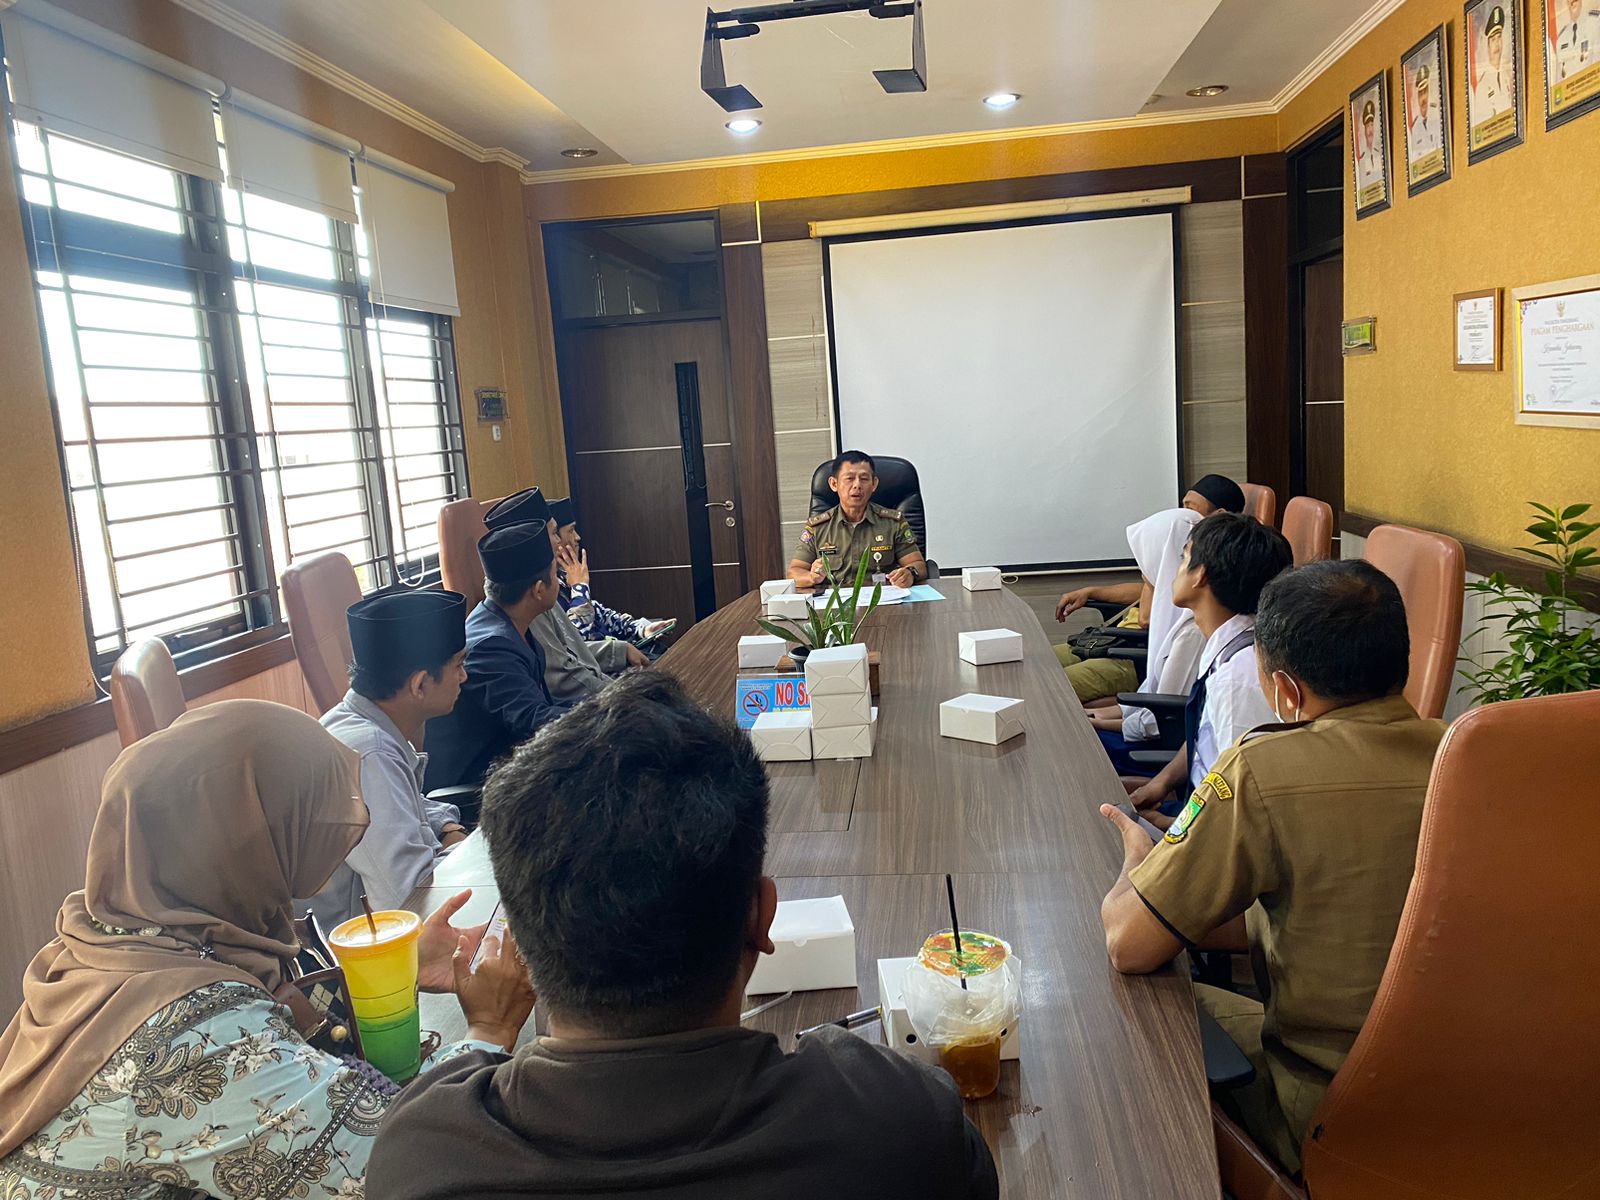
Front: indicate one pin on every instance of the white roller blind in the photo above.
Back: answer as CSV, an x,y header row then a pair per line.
x,y
274,153
74,78
404,215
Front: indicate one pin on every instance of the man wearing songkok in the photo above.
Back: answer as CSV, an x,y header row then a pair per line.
x,y
593,620
504,700
408,651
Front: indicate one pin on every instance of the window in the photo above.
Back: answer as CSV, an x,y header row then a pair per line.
x,y
228,399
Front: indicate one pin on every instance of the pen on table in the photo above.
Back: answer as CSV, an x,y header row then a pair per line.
x,y
854,1021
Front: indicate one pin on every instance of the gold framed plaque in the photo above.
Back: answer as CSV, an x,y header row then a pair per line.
x,y
1477,330
1557,349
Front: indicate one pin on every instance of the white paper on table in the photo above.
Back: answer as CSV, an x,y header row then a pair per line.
x,y
890,595
802,920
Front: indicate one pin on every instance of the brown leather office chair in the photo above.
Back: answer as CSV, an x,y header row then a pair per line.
x,y
1308,524
1260,502
460,528
316,593
1430,571
1476,1064
146,695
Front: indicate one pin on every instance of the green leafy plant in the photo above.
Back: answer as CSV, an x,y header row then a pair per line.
x,y
1551,647
837,621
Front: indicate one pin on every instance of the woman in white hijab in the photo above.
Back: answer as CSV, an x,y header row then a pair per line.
x,y
1157,543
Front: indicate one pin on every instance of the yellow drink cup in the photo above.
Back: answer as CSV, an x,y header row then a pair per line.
x,y
381,973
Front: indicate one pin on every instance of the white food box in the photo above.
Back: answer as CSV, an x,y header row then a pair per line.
x,y
816,949
761,650
897,1028
837,670
789,605
845,741
776,587
783,736
978,718
841,711
981,579
981,647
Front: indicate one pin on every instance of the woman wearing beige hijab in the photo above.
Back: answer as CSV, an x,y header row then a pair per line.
x,y
148,1058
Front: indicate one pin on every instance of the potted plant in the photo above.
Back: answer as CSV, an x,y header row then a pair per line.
x,y
836,622
1551,647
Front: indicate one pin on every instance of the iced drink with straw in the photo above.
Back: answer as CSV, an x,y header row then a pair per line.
x,y
963,1004
379,959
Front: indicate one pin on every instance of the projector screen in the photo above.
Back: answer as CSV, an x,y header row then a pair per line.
x,y
1028,371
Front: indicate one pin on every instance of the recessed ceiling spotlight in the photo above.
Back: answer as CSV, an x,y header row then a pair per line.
x,y
743,125
1205,93
580,152
1001,99
1155,97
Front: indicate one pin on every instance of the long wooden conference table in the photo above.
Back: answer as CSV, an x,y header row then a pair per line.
x,y
1108,1098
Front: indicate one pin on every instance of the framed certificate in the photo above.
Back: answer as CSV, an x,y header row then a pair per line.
x,y
1571,59
1477,330
1558,353
1425,112
1369,146
1492,33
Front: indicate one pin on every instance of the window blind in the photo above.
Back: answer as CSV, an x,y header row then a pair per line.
x,y
72,77
404,216
282,156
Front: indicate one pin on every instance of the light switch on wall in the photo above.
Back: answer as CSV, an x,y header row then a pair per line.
x,y
494,431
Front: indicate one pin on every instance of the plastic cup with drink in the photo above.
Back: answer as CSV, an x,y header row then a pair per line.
x,y
379,958
965,1025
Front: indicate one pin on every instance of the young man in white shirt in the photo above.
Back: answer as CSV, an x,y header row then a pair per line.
x,y
1229,559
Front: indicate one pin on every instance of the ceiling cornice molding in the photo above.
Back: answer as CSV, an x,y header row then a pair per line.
x,y
934,141
260,36
1364,24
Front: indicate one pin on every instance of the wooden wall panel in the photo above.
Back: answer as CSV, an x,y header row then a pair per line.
x,y
751,412
1268,388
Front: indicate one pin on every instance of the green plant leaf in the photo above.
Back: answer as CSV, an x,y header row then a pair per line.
x,y
1574,510
776,630
1541,508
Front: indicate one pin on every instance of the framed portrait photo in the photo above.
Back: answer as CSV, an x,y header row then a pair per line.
x,y
1369,146
1425,112
1491,31
1571,59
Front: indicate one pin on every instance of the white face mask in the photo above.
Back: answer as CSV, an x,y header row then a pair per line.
x,y
1281,718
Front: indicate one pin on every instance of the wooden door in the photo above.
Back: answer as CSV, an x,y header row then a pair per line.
x,y
620,401
1323,364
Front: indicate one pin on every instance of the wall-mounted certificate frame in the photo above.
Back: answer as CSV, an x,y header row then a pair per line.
x,y
1491,32
1369,146
1425,112
1477,330
1557,349
1571,59
1358,336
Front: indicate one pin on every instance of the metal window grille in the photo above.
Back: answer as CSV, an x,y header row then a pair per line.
x,y
227,399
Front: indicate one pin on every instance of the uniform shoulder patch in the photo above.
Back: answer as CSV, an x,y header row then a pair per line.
x,y
1217,784
892,514
820,519
1179,829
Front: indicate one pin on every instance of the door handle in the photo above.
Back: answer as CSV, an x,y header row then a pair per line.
x,y
727,504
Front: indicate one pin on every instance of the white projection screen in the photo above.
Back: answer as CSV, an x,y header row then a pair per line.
x,y
1028,371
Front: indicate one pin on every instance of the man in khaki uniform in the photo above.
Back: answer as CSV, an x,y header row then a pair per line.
x,y
1298,846
855,526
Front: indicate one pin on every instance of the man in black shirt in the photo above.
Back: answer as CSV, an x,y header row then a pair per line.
x,y
627,841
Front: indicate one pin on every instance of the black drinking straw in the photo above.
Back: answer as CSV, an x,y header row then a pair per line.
x,y
373,925
955,929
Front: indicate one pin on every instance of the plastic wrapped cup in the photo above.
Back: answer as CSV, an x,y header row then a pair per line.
x,y
381,973
964,1025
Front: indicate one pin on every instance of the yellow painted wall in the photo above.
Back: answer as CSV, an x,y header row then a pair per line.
x,y
882,170
1426,444
44,665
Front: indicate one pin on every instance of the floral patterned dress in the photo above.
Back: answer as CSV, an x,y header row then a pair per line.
x,y
215,1095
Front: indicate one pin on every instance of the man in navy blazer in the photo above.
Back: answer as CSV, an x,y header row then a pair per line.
x,y
505,700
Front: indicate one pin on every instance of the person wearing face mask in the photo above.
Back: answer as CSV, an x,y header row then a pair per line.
x,y
1297,846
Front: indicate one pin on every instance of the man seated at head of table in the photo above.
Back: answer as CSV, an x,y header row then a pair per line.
x,y
505,699
627,841
836,540
572,667
1299,845
1230,558
1097,680
593,620
409,650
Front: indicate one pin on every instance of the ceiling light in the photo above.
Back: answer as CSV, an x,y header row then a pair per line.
x,y
1001,99
743,125
579,152
1205,93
